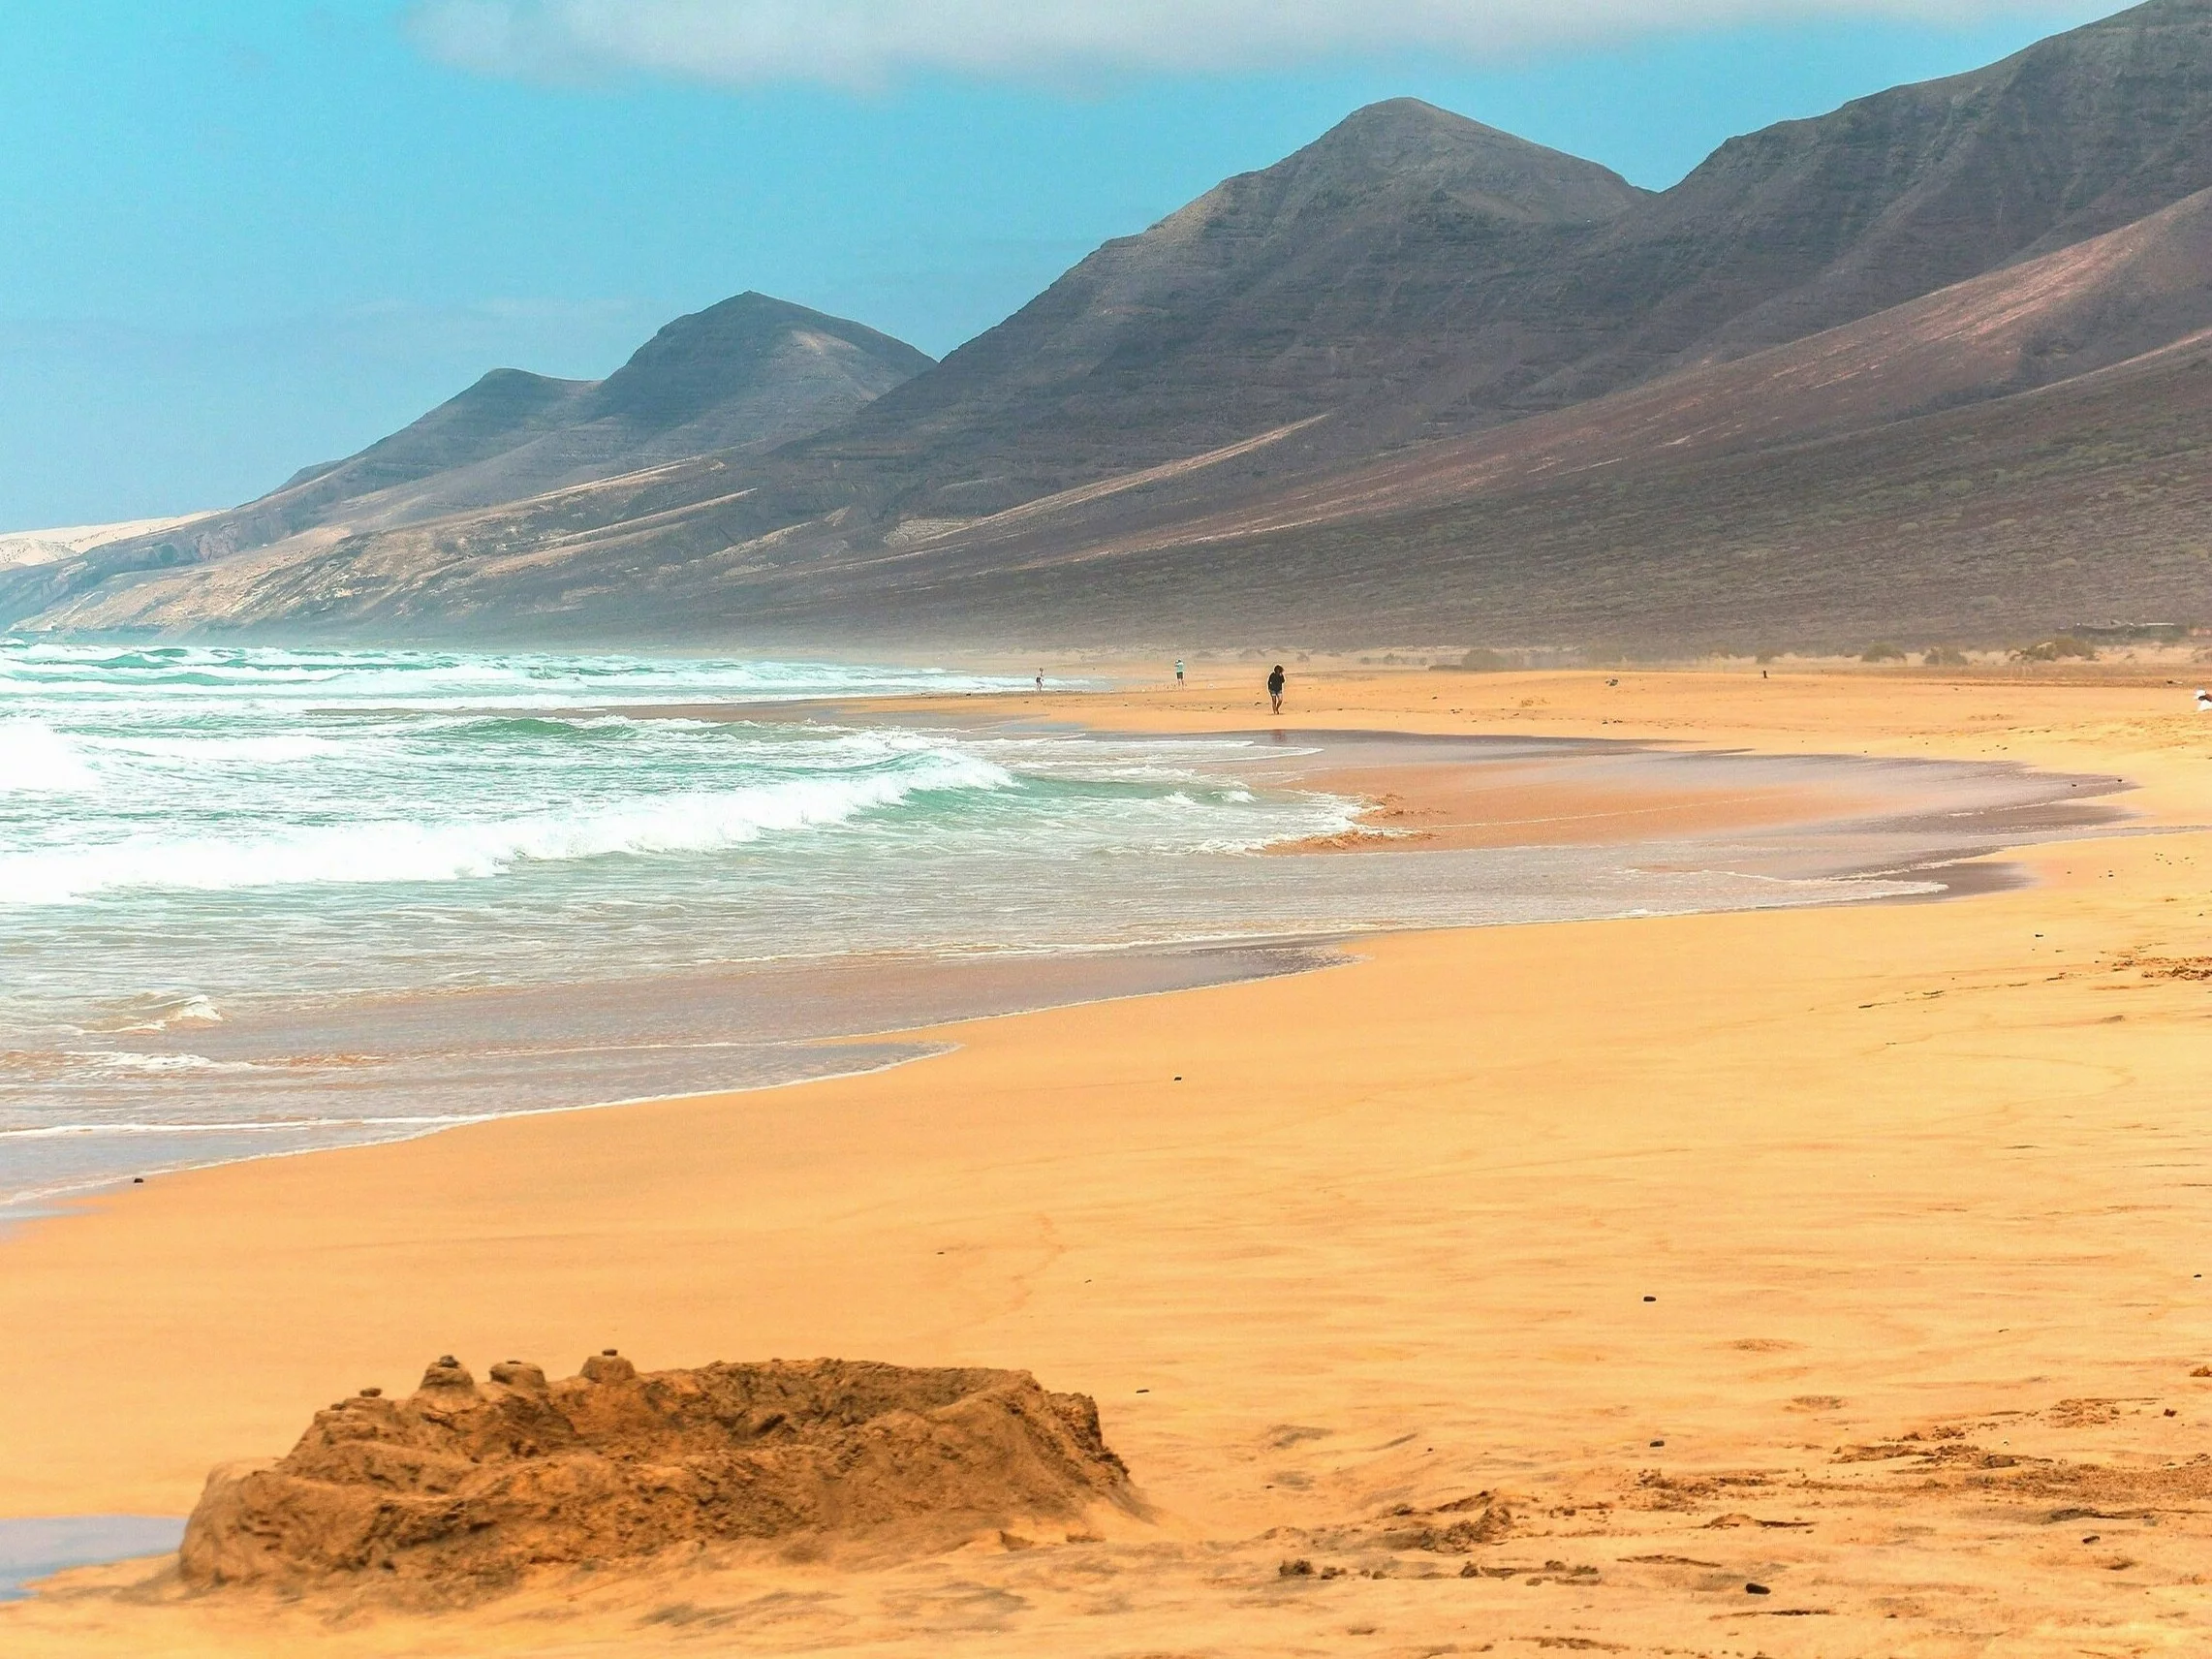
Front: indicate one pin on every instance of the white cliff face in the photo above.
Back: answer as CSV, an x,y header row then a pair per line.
x,y
22,547
17,551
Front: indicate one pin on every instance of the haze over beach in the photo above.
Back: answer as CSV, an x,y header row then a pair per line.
x,y
1070,830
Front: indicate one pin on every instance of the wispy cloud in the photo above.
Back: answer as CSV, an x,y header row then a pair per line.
x,y
869,42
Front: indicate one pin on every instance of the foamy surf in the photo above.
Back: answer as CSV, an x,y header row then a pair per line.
x,y
255,903
158,1065
191,1011
404,851
36,759
246,892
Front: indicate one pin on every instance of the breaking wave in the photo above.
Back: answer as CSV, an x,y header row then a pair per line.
x,y
36,759
403,850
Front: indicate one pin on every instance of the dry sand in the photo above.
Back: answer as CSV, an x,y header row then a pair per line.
x,y
1850,1253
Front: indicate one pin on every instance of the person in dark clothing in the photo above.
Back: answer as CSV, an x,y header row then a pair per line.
x,y
1275,688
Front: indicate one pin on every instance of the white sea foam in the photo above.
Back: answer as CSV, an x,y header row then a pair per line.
x,y
262,750
36,759
210,823
112,1060
426,679
402,851
192,1011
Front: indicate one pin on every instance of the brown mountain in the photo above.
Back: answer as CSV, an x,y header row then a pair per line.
x,y
1348,279
2086,308
2011,453
1415,317
1411,275
737,378
1692,512
742,376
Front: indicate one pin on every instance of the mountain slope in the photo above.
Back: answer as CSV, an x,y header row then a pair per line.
x,y
744,375
1412,275
1808,224
2082,308
739,377
1785,497
2086,500
1338,280
1409,280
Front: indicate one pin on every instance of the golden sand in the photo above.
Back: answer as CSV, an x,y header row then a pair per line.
x,y
1848,1253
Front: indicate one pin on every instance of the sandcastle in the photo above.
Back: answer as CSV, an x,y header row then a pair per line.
x,y
478,1482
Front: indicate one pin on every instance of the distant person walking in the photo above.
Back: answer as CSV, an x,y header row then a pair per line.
x,y
1275,688
1040,680
1178,670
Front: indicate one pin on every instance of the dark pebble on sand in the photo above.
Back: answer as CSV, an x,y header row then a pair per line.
x,y
1650,1298
1756,1590
141,1181
1659,1442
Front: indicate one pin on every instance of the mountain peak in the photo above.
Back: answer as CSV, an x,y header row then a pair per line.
x,y
1401,129
744,374
695,363
1397,122
1403,149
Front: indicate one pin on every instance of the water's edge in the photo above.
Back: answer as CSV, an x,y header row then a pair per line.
x,y
848,1015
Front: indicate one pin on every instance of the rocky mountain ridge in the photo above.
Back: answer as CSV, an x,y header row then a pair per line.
x,y
735,379
1413,315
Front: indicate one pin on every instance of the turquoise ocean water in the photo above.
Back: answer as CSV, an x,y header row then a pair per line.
x,y
194,838
257,901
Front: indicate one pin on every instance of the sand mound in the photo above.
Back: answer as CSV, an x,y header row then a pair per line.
x,y
469,1484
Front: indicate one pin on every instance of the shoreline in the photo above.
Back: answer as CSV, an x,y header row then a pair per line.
x,y
1890,1172
1421,794
1172,968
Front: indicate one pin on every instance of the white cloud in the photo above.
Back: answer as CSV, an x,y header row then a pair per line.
x,y
869,43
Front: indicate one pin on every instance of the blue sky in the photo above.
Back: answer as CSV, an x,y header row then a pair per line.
x,y
243,235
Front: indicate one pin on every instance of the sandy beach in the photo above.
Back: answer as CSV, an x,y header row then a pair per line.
x,y
1856,1254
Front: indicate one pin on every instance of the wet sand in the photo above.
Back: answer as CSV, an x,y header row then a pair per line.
x,y
1444,806
1851,1253
1481,831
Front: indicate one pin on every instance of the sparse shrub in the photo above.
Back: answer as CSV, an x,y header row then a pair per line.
x,y
1882,651
2065,645
1945,657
